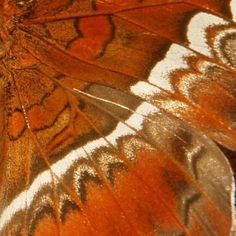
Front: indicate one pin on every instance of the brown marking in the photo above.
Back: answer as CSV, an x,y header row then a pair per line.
x,y
41,116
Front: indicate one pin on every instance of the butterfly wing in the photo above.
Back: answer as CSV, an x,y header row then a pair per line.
x,y
197,39
96,101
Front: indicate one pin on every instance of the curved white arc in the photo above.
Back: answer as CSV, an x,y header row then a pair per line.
x,y
217,44
175,59
62,166
197,31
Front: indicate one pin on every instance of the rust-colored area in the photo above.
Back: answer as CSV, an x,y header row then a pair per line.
x,y
41,116
83,148
85,46
16,124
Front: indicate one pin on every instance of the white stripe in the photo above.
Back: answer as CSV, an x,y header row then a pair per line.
x,y
233,9
144,90
18,203
175,59
197,30
62,166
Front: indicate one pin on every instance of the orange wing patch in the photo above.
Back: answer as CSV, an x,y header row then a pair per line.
x,y
16,124
96,33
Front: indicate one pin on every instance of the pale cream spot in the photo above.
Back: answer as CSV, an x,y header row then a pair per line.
x,y
197,32
175,59
233,9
